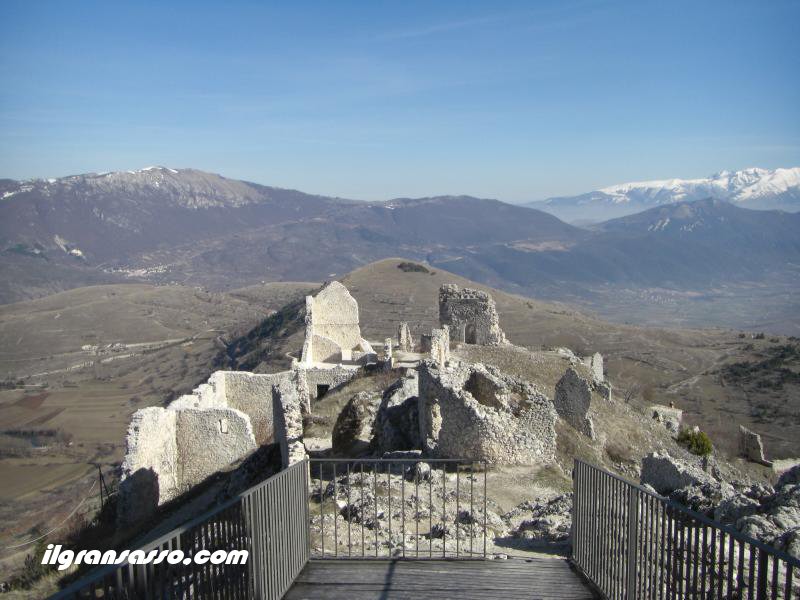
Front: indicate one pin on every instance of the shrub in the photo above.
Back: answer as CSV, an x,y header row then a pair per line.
x,y
696,441
411,267
33,569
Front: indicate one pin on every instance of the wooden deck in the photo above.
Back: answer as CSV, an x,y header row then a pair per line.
x,y
513,579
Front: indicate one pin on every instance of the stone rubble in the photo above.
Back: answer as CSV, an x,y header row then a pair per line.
x,y
668,416
769,515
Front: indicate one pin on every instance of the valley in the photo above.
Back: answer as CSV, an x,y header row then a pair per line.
x,y
716,263
58,428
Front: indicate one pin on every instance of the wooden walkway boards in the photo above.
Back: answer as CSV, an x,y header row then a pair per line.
x,y
513,579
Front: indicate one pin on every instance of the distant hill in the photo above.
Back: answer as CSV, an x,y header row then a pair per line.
x,y
707,242
762,189
182,226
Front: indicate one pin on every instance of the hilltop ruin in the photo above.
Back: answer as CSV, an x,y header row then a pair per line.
x,y
441,407
471,316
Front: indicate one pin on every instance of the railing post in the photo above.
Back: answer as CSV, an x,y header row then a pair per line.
x,y
574,511
633,522
761,582
307,511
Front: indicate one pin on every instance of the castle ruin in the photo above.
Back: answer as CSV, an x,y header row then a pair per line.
x,y
170,450
471,316
476,412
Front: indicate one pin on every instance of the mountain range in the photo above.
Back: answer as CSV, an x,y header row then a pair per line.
x,y
763,189
164,226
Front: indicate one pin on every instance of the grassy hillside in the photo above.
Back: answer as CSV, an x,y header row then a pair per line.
x,y
65,407
646,364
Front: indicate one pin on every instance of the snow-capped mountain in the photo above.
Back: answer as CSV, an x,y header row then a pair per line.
x,y
753,188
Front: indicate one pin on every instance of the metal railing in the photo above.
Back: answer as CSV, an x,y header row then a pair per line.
x,y
398,508
631,543
269,520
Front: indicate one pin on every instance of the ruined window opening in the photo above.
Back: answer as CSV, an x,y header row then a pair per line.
x,y
322,390
484,390
223,425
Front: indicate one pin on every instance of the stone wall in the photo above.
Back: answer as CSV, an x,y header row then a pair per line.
x,y
440,345
150,468
404,340
471,315
751,447
170,450
595,364
208,440
332,328
572,400
332,377
475,412
289,400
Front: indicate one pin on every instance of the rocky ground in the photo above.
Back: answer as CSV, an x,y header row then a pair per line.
x,y
769,514
420,508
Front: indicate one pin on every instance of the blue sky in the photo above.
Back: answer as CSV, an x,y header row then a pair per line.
x,y
373,100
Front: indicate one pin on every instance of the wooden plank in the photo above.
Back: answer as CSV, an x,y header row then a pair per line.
x,y
545,579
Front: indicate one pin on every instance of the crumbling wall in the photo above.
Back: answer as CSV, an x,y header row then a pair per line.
x,y
595,364
288,402
150,467
471,315
208,440
332,329
751,447
169,450
440,345
572,400
509,422
251,393
404,340
332,377
396,425
254,395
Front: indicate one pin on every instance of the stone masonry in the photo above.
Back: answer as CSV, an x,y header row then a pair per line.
x,y
333,334
170,450
475,412
572,400
471,315
595,364
440,345
751,447
404,340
